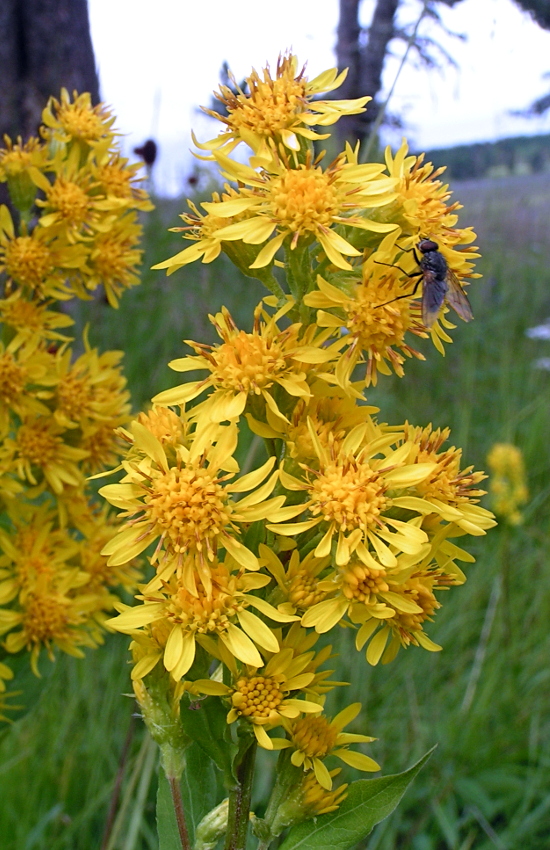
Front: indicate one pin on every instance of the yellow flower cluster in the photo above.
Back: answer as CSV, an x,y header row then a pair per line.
x,y
88,197
344,521
507,485
77,202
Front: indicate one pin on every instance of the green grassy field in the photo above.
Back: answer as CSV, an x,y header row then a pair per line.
x,y
488,784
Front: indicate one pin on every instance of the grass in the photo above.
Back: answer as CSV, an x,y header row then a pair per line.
x,y
488,784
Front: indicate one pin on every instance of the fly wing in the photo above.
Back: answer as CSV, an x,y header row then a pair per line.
x,y
457,298
433,296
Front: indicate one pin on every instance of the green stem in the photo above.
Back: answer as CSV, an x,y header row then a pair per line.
x,y
299,272
239,802
270,282
287,777
175,791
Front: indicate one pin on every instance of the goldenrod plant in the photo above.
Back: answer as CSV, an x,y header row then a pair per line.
x,y
72,228
508,486
336,519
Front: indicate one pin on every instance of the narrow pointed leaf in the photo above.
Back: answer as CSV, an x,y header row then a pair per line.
x,y
369,801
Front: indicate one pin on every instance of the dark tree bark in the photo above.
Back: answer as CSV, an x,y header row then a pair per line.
x,y
365,62
538,9
540,12
44,45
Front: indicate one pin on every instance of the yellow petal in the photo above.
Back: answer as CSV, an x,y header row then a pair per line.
x,y
135,618
376,646
258,631
173,648
322,775
241,646
357,760
187,657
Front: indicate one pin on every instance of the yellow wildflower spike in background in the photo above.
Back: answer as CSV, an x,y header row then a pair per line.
x,y
507,485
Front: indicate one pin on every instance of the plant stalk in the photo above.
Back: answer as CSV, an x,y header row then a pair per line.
x,y
177,802
239,802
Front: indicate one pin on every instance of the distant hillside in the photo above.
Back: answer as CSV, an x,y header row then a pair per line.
x,y
518,155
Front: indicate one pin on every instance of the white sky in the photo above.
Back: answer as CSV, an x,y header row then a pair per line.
x,y
159,59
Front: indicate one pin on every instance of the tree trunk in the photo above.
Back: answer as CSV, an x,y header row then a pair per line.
x,y
365,63
44,45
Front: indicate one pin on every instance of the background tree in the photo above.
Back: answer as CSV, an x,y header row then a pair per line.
x,y
44,45
364,52
540,11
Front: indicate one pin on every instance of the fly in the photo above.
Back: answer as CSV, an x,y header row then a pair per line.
x,y
439,285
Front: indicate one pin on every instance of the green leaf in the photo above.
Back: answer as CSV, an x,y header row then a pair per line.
x,y
198,788
368,802
205,722
199,792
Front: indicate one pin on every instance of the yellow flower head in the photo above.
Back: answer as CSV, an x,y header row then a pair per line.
x,y
20,157
92,389
297,578
35,553
37,262
264,369
314,738
264,695
164,424
452,491
280,108
328,410
77,120
33,319
350,496
50,616
115,258
507,485
422,212
422,198
203,231
184,500
117,178
396,600
218,616
25,371
373,322
316,800
69,203
295,203
42,456
20,165
412,603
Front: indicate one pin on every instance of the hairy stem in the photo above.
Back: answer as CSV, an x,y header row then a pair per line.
x,y
239,802
175,791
